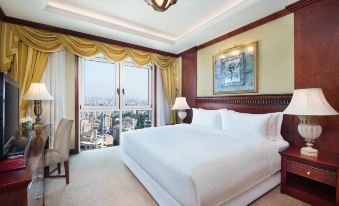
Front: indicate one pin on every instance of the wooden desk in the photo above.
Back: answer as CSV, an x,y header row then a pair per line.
x,y
24,187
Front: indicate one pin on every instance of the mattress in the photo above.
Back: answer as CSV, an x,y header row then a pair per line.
x,y
198,166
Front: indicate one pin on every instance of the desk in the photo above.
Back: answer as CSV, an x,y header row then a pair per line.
x,y
25,186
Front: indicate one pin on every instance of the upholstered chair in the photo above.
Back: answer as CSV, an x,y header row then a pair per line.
x,y
60,152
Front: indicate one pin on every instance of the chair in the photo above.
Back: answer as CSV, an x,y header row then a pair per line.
x,y
60,151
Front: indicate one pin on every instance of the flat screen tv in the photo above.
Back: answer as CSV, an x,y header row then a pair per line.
x,y
9,112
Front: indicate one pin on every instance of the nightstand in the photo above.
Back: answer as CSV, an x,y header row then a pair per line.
x,y
310,179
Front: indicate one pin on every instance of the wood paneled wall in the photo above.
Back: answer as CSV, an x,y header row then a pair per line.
x,y
189,79
316,65
317,60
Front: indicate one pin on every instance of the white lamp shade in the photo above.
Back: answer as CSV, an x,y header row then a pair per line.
x,y
37,91
180,103
309,102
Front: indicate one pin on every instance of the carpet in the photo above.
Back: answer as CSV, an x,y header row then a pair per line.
x,y
99,178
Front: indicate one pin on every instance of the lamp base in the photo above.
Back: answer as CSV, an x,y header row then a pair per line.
x,y
38,126
309,151
182,115
310,130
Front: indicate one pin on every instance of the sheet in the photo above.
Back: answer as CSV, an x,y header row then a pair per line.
x,y
199,166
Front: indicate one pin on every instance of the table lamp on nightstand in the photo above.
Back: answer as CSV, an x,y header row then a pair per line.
x,y
309,104
37,92
181,105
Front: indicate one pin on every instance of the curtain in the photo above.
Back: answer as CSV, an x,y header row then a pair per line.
x,y
168,77
163,110
45,41
54,78
26,65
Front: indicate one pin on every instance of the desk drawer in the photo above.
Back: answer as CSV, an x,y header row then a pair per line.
x,y
313,173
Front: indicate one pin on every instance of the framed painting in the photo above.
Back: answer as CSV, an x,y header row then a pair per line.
x,y
235,70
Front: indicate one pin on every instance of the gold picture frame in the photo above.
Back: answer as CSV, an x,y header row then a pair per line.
x,y
235,70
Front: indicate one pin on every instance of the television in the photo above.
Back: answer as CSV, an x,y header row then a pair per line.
x,y
9,113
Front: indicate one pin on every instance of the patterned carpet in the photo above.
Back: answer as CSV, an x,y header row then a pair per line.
x,y
99,178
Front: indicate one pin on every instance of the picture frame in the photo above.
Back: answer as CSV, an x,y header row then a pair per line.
x,y
235,70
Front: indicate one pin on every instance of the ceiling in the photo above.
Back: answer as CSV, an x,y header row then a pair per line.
x,y
186,24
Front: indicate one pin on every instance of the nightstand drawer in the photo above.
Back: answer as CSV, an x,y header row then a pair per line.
x,y
313,173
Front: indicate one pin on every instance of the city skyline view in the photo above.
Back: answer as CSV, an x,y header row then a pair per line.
x,y
101,127
100,82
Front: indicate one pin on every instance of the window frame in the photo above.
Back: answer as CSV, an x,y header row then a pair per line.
x,y
150,69
82,84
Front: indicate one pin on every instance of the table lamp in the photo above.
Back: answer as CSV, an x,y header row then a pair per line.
x,y
309,104
181,105
37,92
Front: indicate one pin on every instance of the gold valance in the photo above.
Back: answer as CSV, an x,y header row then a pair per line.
x,y
41,41
47,41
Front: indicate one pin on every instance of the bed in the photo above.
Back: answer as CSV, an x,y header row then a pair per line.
x,y
189,165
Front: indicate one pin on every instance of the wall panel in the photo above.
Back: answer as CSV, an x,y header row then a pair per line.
x,y
317,61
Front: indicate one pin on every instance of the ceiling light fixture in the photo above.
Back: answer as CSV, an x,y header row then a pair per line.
x,y
161,5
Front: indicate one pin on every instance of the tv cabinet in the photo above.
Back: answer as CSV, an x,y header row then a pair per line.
x,y
24,187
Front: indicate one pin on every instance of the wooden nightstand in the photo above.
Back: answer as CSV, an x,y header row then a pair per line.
x,y
311,179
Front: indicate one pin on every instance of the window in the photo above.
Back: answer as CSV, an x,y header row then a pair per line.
x,y
137,85
99,83
115,97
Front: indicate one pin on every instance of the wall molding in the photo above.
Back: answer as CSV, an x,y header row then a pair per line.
x,y
188,51
247,27
300,4
287,10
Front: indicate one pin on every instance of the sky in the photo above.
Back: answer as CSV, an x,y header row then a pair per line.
x,y
100,81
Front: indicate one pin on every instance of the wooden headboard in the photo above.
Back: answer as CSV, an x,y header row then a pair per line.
x,y
246,103
257,104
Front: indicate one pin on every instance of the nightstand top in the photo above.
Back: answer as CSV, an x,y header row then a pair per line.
x,y
325,158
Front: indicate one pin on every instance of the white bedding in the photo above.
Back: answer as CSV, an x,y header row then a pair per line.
x,y
198,166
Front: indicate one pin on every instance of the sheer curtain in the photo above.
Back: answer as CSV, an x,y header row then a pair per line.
x,y
54,78
163,115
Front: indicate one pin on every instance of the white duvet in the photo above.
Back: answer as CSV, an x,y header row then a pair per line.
x,y
198,166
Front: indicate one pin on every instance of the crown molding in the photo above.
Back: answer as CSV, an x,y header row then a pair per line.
x,y
287,10
300,4
81,35
247,27
193,49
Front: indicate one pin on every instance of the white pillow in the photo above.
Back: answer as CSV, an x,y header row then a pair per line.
x,y
206,118
249,124
274,126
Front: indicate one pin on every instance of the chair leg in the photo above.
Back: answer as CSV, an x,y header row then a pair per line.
x,y
66,163
59,168
46,171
